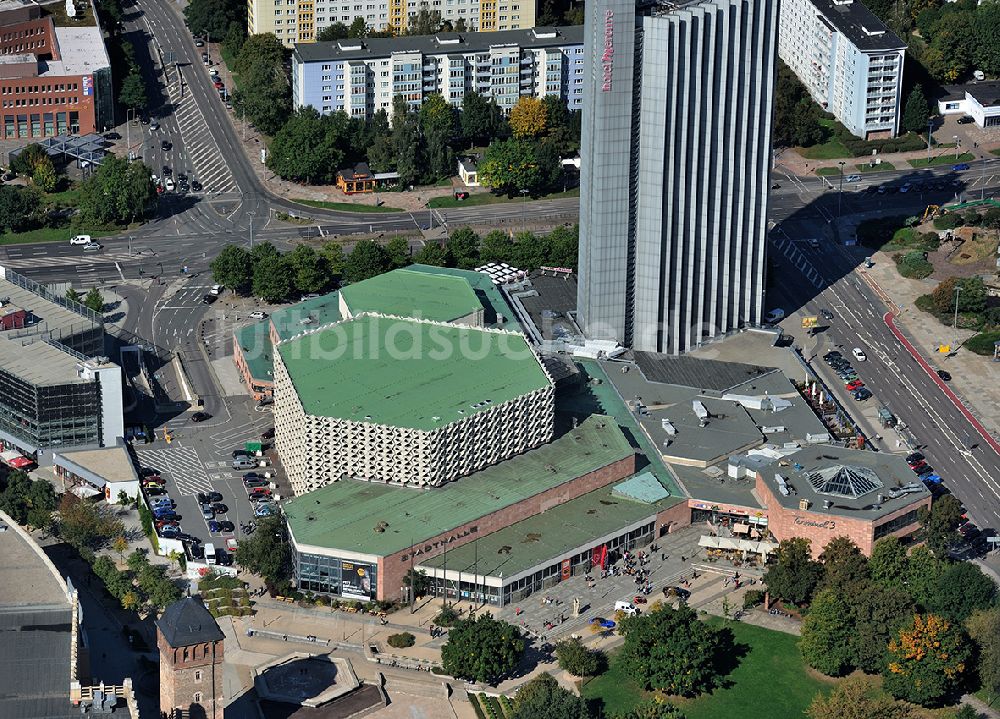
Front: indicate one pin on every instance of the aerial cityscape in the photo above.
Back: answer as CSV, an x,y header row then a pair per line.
x,y
500,359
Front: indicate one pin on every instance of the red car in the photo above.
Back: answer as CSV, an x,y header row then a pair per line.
x,y
260,493
854,385
155,479
218,84
160,524
919,466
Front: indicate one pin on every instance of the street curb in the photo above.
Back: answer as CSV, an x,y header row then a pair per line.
x,y
890,322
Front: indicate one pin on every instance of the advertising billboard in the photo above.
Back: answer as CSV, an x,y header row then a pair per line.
x,y
357,580
88,85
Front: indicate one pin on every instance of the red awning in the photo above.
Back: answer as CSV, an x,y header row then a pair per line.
x,y
20,462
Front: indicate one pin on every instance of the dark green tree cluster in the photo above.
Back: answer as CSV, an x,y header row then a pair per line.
x,y
34,163
86,526
264,94
267,553
527,251
958,37
18,208
577,659
543,698
796,116
339,31
861,608
916,111
26,501
118,193
483,649
267,273
670,651
311,147
142,584
214,19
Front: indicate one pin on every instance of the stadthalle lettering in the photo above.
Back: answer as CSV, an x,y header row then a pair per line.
x,y
828,524
430,546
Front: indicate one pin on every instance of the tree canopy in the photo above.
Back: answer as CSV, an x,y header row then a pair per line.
x,y
264,95
916,112
962,589
927,661
527,117
827,634
940,523
543,698
984,630
857,698
214,17
119,192
233,268
577,659
671,651
267,552
367,259
794,575
483,649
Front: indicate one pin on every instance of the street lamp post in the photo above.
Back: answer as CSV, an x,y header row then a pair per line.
x,y
840,193
958,144
957,291
251,228
524,207
930,128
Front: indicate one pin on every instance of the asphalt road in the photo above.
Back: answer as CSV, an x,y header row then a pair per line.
x,y
826,278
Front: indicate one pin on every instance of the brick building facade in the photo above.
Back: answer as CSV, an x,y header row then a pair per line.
x,y
821,526
191,655
53,80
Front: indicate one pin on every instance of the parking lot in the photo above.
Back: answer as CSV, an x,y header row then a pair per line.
x,y
199,458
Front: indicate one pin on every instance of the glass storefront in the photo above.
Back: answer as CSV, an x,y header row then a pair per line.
x,y
341,578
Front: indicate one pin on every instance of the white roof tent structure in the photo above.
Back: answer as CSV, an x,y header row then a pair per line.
x,y
82,148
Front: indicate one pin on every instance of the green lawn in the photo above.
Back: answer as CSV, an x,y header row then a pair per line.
x,y
942,160
345,206
488,198
771,682
865,167
832,149
995,152
827,171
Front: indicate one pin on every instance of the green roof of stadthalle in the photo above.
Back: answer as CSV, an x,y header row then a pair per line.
x,y
406,293
408,373
343,515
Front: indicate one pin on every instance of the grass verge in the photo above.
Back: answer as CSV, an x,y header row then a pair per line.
x,y
942,160
345,206
487,198
865,167
771,682
827,171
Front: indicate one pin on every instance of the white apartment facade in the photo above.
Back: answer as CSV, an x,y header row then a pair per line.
x,y
362,76
298,21
849,60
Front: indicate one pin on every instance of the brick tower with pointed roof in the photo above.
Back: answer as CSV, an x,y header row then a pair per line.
x,y
191,654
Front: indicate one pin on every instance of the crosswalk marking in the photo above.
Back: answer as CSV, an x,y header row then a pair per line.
x,y
180,464
211,168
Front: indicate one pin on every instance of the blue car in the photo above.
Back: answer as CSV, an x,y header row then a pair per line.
x,y
930,478
961,166
170,514
214,527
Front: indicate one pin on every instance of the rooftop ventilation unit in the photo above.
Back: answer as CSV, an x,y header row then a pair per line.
x,y
701,412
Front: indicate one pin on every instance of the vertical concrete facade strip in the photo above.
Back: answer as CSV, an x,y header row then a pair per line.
x,y
609,42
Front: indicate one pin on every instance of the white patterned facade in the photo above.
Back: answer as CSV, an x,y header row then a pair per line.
x,y
318,450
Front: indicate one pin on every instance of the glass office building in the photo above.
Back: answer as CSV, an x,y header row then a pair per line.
x,y
675,169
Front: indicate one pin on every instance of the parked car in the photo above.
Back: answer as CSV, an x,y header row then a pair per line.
x,y
267,433
214,527
965,120
206,511
167,172
254,483
862,394
169,531
961,167
831,356
202,498
919,467
208,299
258,315
237,453
227,526
263,510
827,315
148,472
775,315
259,493
859,354
165,514
165,145
195,185
169,185
200,416
914,457
244,463
153,490
199,42
219,508
944,375
855,385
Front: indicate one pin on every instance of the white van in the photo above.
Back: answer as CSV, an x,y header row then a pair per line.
x,y
80,240
626,607
210,557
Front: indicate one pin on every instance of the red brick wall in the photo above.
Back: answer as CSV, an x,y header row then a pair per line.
x,y
13,320
672,519
179,680
244,370
783,525
392,568
34,37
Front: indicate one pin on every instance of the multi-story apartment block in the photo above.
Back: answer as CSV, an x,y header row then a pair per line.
x,y
298,21
362,76
849,60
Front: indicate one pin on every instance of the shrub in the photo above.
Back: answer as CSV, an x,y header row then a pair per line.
x,y
982,344
577,659
401,641
972,218
913,265
948,221
930,240
904,237
926,304
446,617
753,598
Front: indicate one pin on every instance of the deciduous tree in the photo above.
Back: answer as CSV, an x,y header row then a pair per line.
x,y
309,269
483,649
480,118
888,562
927,661
497,246
334,31
433,254
18,206
857,698
527,117
94,300
307,147
44,176
543,698
795,575
510,166
367,259
671,651
133,92
877,613
398,250
266,552
577,659
463,245
962,589
843,564
984,630
214,17
273,278
940,523
827,634
232,268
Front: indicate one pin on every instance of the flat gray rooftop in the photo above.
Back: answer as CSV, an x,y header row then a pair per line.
x,y
51,314
700,373
39,363
81,52
27,579
878,473
549,309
